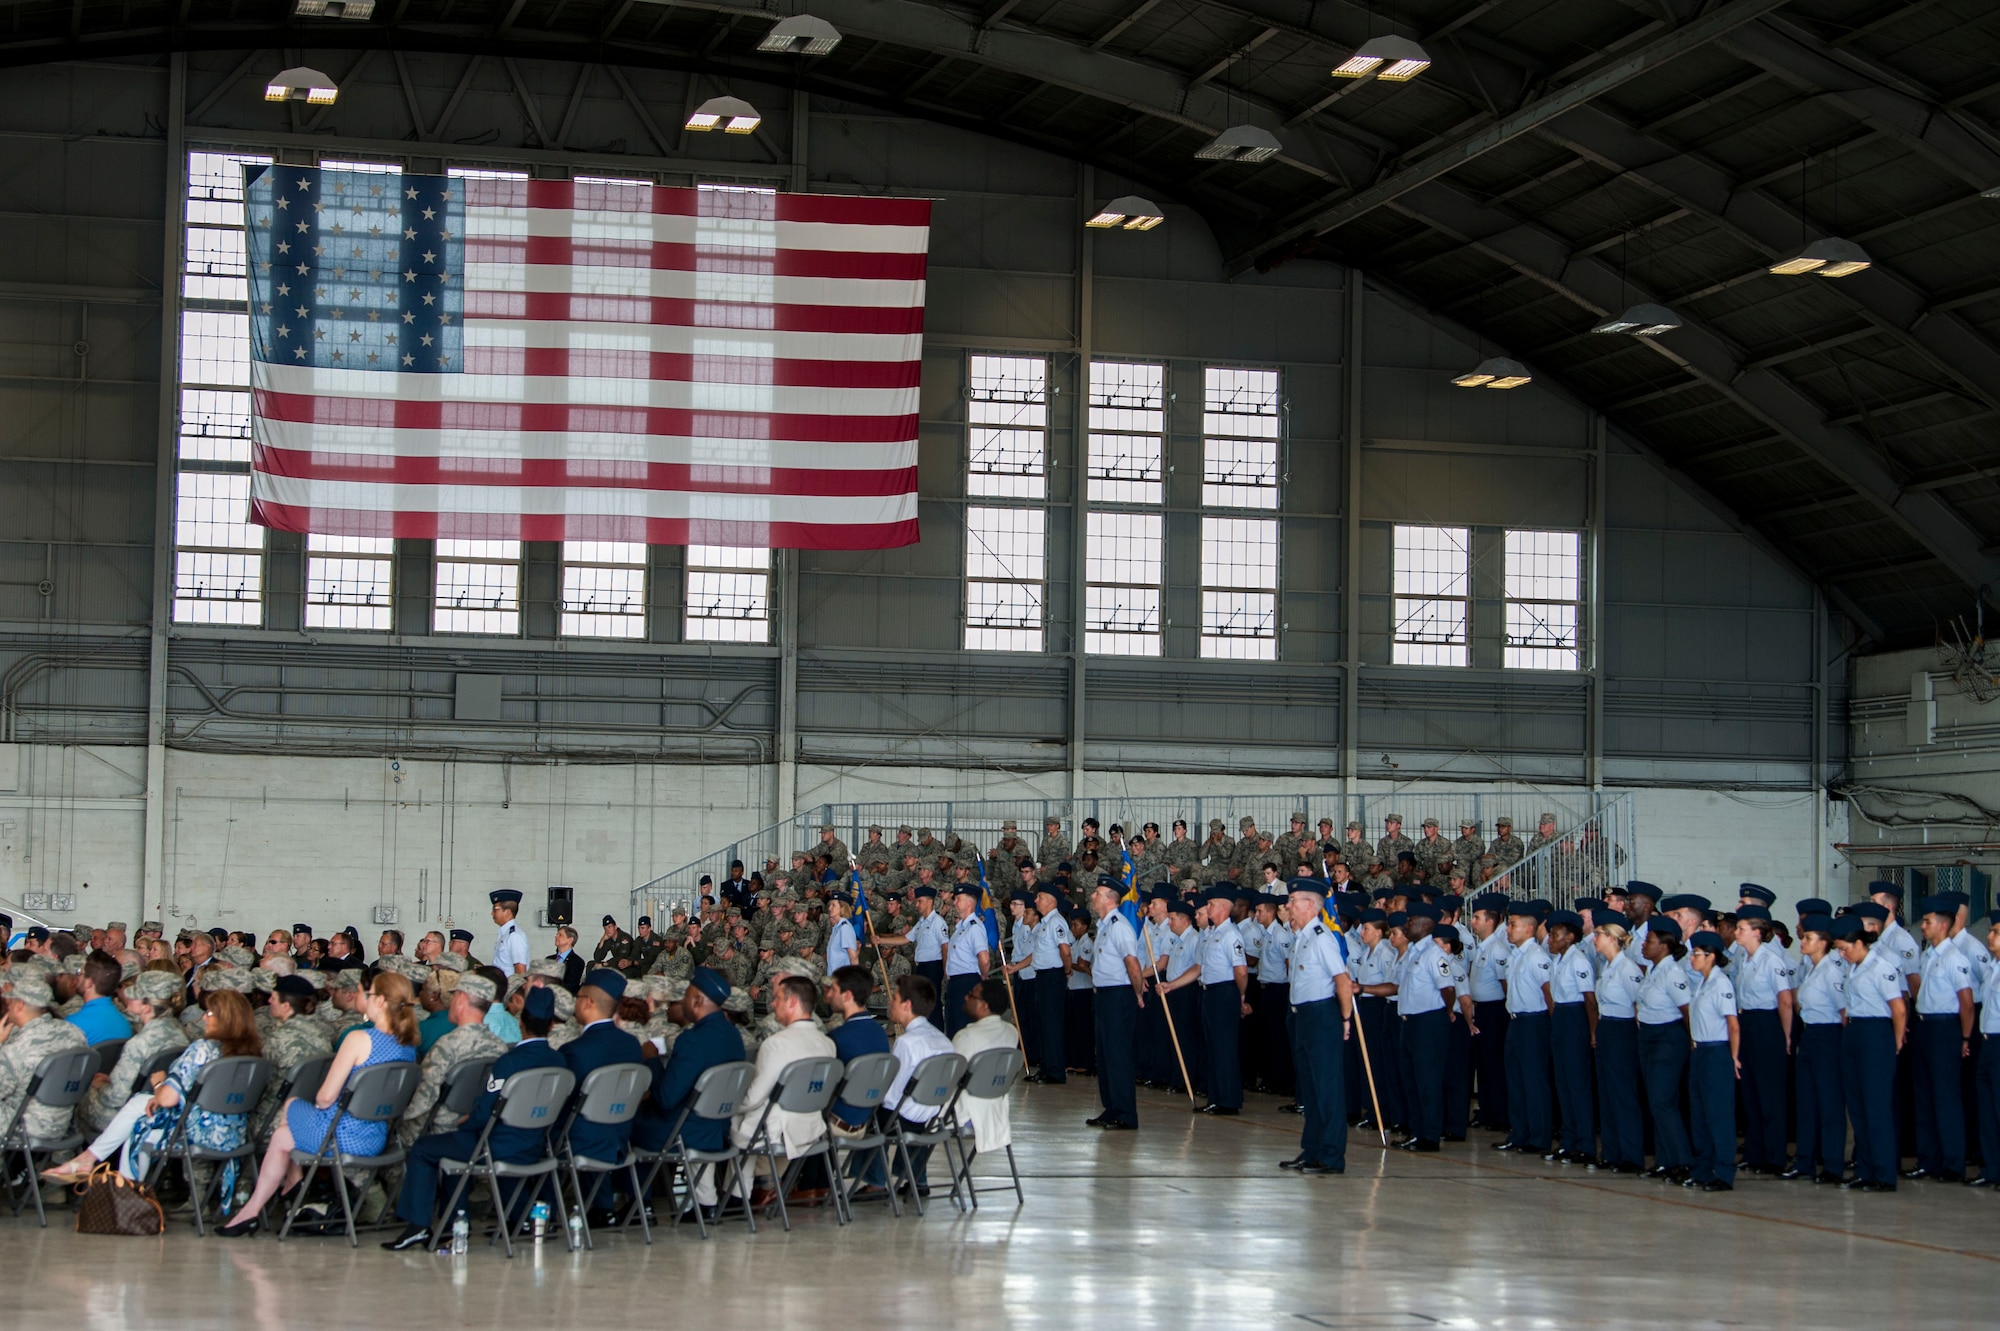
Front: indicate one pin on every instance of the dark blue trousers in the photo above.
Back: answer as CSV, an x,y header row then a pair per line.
x,y
420,1172
1184,1006
1529,1110
1868,1078
1822,1139
1712,1098
1940,1106
1987,1080
1319,1062
955,990
932,971
1622,1114
1117,1032
1272,1023
1080,1039
1663,1056
1372,1015
1424,1044
1489,1061
1221,1028
1457,1077
1570,1038
1762,1050
1050,996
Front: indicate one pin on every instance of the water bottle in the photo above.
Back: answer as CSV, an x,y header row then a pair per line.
x,y
461,1234
575,1231
539,1216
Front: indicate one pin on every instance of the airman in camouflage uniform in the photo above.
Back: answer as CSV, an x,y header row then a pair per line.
x,y
645,947
1505,848
735,966
1431,847
149,997
1469,847
1218,853
476,1040
1393,841
342,1007
1055,846
294,1038
1181,855
675,961
833,848
1355,851
1246,844
1286,844
928,847
872,849
39,1036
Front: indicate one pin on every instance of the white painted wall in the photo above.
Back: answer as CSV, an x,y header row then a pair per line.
x,y
256,841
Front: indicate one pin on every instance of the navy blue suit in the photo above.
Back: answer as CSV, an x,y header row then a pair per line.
x,y
514,1145
708,1043
601,1045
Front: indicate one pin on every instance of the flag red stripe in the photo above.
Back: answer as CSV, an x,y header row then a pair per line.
x,y
555,472
565,417
776,317
565,252
561,527
775,371
678,202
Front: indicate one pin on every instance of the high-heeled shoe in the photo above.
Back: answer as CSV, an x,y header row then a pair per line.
x,y
243,1231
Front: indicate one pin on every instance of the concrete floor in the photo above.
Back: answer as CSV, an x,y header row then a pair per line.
x,y
1185,1223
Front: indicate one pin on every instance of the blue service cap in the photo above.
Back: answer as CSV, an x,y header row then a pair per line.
x,y
1686,901
1638,888
1106,880
1402,855
610,981
1382,894
1494,903
1846,927
712,983
1871,910
505,896
1956,900
1316,886
705,881
1065,867
1937,904
645,922
736,864
1706,939
1814,906
1993,917
1026,898
1567,919
302,929
1424,910
1662,927
925,893
1348,914
968,889
1590,903
540,1004
610,919
1756,892
1395,919
1886,887
1451,901
1181,906
461,935
1819,922
1753,912
1373,916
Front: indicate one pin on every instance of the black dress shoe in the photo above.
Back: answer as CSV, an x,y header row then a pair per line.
x,y
1949,1176
1873,1185
1314,1168
1292,1163
1220,1111
1658,1171
1979,1183
413,1236
1690,1183
1097,1122
1919,1172
1630,1170
1291,1107
1117,1125
1717,1185
1827,1176
1679,1173
1795,1173
1505,1146
1454,1136
1422,1146
1556,1157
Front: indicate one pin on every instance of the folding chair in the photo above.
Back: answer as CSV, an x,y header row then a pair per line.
x,y
804,1086
610,1095
374,1095
464,1083
717,1092
162,1063
227,1086
531,1099
59,1083
990,1075
108,1053
301,1083
935,1083
867,1080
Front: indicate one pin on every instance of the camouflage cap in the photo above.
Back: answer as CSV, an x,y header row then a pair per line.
x,y
1215,824
119,925
317,979
1430,822
1545,818
478,987
154,988
874,829
450,961
151,927
73,964
923,831
515,983
1392,817
1245,823
1503,821
738,1001
1009,826
669,991
263,981
129,966
1300,816
344,979
1354,825
793,966
1472,823
30,989
238,956
565,1003
824,828
408,967
547,969
226,979
905,830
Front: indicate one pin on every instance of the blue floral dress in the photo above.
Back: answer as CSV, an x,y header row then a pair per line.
x,y
308,1121
215,1132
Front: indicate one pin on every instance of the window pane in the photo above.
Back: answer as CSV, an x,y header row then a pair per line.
x,y
1544,587
728,607
1007,463
1239,426
1125,548
215,348
1006,562
478,587
604,589
1431,584
1239,575
213,588
215,425
1239,552
348,582
1239,625
1127,432
213,511
1125,555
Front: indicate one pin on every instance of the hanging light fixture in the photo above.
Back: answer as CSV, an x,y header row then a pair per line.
x,y
801,34
1128,212
1828,257
1496,372
1241,143
1644,320
731,115
1391,59
301,85
355,10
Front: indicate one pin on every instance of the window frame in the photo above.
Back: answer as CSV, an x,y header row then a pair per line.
x,y
1416,599
1111,500
994,405
1511,600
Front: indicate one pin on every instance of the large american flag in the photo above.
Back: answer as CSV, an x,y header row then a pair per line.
x,y
497,359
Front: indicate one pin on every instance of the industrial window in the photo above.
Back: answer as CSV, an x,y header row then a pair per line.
x,y
1006,568
1125,542
218,552
1239,588
1432,586
348,581
1007,424
1239,428
1006,543
478,587
604,589
1544,589
728,594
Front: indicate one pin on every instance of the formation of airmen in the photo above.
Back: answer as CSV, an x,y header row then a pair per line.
x,y
1625,1025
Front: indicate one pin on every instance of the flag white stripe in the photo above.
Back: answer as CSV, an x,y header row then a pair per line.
x,y
584,446
720,235
682,284
681,339
582,501
499,391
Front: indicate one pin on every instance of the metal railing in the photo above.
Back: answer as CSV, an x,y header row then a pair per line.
x,y
979,822
1582,860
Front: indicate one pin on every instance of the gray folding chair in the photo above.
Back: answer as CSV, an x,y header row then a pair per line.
x,y
530,1100
990,1075
231,1086
108,1053
301,1083
162,1063
867,1080
464,1083
374,1095
610,1096
59,1083
804,1086
935,1084
717,1092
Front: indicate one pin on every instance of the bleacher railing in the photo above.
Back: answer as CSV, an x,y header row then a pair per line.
x,y
1582,860
1592,819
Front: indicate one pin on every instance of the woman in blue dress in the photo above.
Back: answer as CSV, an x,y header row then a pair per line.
x,y
389,1037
